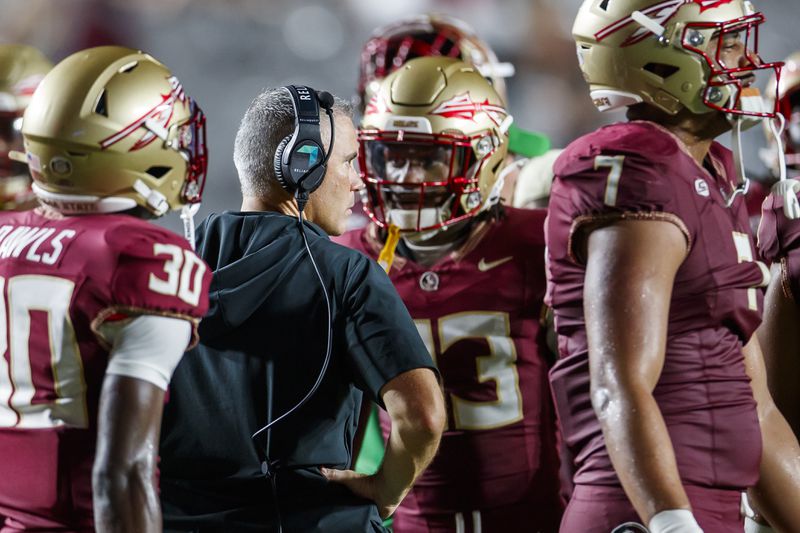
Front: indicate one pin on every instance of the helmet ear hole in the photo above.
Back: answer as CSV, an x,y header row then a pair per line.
x,y
101,108
158,172
604,5
661,70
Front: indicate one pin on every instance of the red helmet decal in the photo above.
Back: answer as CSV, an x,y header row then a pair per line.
x,y
27,86
661,13
377,105
161,114
463,107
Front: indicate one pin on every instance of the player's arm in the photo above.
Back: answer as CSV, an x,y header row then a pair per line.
x,y
630,271
778,490
144,354
779,338
415,406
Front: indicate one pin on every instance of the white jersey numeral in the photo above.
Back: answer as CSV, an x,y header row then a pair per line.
x,y
744,252
614,162
498,366
22,403
179,268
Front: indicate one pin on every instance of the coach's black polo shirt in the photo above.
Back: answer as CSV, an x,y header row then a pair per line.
x,y
267,305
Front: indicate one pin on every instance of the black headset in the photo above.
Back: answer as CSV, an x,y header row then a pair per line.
x,y
300,160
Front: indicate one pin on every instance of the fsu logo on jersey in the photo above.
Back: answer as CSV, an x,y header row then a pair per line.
x,y
429,281
661,13
463,107
159,115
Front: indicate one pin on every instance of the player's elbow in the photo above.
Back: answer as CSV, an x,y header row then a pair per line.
x,y
602,401
118,483
613,395
607,394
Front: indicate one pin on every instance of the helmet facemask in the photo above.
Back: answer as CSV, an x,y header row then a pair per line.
x,y
422,182
189,140
731,89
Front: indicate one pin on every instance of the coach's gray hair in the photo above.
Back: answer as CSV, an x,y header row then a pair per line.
x,y
266,122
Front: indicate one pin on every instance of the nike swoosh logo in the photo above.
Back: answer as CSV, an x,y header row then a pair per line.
x,y
483,266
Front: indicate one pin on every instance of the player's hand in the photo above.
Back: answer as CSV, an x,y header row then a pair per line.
x,y
368,487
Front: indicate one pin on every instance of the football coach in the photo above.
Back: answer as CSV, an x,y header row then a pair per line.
x,y
257,434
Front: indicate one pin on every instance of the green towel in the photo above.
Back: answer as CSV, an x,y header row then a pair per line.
x,y
527,143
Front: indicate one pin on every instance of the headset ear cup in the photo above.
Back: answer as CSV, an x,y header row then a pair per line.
x,y
277,164
314,180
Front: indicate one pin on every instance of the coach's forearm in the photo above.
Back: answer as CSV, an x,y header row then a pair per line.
x,y
410,448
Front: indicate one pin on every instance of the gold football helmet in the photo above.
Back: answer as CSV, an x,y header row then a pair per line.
x,y
667,53
788,103
433,139
22,67
110,129
391,46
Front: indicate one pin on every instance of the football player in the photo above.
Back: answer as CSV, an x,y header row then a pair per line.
x,y
660,386
391,46
433,140
437,35
388,48
779,243
21,69
96,305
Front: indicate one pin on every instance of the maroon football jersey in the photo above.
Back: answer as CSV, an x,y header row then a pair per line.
x,y
639,170
478,311
60,279
779,240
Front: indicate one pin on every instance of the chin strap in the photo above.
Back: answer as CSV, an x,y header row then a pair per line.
x,y
154,199
386,257
188,212
744,182
785,187
494,195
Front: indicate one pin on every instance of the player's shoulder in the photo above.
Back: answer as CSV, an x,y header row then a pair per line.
x,y
642,141
522,227
127,234
626,167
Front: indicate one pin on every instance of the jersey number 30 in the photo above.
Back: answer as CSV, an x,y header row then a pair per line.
x,y
59,395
